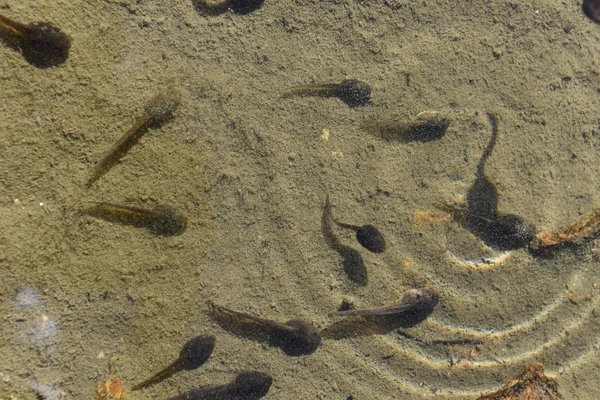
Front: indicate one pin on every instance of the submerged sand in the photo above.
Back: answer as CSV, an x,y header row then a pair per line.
x,y
251,170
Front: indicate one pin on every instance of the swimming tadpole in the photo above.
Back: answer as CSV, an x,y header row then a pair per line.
x,y
414,307
162,219
367,235
480,215
426,127
195,353
352,260
412,301
352,92
42,44
158,110
247,385
216,7
591,8
295,337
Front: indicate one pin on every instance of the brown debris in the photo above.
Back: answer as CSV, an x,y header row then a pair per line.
x,y
531,384
423,217
576,234
112,388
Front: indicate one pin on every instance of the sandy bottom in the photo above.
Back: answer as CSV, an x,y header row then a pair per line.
x,y
251,170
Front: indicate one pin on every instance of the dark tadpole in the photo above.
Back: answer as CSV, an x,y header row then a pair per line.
x,y
160,220
412,300
295,337
480,215
368,236
591,8
352,261
216,7
247,385
427,126
158,110
194,353
352,92
482,197
414,307
42,44
510,232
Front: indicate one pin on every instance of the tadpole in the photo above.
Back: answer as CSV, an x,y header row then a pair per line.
x,y
412,300
158,110
160,220
368,236
194,353
295,337
247,385
414,307
352,260
42,44
481,216
591,8
426,127
352,92
216,7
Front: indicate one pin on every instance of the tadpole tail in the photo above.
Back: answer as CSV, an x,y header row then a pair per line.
x,y
493,120
113,155
349,313
326,90
162,375
327,209
14,27
99,207
250,319
389,310
329,214
224,311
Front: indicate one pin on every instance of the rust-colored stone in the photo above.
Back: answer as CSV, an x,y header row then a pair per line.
x,y
585,229
531,384
111,389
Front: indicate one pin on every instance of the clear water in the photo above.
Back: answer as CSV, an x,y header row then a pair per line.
x,y
251,170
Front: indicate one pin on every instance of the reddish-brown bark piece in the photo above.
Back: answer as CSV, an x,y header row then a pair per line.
x,y
530,384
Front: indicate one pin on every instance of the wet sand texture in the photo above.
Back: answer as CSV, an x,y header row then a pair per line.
x,y
250,170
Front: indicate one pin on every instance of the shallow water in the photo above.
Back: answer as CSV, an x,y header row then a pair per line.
x,y
251,170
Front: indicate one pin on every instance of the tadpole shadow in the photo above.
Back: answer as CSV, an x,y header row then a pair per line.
x,y
407,132
41,44
580,247
351,327
249,329
480,215
352,261
212,8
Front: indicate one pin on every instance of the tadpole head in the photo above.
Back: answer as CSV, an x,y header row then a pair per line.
x,y
370,238
421,299
511,232
591,8
245,6
45,45
304,340
196,351
353,92
163,105
429,126
251,385
168,221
